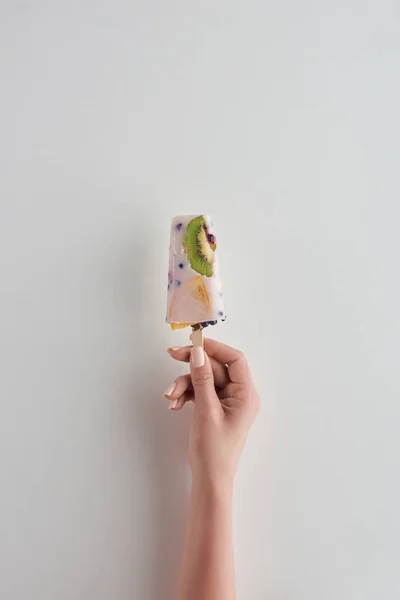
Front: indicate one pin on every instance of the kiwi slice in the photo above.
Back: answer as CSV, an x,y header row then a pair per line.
x,y
199,247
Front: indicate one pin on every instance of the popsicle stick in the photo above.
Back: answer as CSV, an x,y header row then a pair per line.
x,y
197,337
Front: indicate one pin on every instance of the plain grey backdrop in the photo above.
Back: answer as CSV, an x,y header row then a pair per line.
x,y
281,119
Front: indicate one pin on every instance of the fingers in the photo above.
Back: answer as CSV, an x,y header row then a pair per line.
x,y
203,380
179,392
219,356
180,402
235,360
221,377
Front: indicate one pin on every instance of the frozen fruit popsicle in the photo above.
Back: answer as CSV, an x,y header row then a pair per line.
x,y
194,285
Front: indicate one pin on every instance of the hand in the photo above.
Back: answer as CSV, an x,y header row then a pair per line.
x,y
226,404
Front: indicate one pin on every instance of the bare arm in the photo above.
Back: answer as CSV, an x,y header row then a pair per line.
x,y
207,569
226,404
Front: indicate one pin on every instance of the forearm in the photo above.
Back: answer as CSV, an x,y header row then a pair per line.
x,y
207,569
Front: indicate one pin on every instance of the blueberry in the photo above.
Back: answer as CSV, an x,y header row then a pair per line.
x,y
212,322
205,324
220,313
179,226
181,265
178,283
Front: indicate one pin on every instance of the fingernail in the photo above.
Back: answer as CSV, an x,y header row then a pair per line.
x,y
172,404
198,358
170,389
173,349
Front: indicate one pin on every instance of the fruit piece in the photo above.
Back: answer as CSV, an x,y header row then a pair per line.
x,y
199,245
190,300
181,325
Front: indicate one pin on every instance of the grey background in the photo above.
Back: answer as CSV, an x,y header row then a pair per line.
x,y
281,119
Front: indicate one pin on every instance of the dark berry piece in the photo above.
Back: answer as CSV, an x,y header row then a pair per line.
x,y
205,324
220,313
179,226
181,265
211,238
178,283
212,322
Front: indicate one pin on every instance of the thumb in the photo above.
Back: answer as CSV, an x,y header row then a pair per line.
x,y
202,377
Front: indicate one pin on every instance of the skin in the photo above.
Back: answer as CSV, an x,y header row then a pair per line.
x,y
225,406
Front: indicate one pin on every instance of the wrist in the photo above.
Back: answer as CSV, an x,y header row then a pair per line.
x,y
213,488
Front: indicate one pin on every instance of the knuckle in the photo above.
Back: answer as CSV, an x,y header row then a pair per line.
x,y
202,379
239,392
242,356
257,403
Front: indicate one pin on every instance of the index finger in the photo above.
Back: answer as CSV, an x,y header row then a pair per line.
x,y
235,360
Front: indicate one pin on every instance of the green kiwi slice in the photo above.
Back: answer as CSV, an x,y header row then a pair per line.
x,y
197,247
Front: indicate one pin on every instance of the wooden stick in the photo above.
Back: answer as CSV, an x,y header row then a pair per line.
x,y
197,337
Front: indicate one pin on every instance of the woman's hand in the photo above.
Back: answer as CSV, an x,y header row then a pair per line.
x,y
226,404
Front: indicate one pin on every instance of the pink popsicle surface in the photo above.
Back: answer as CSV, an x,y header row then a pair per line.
x,y
194,285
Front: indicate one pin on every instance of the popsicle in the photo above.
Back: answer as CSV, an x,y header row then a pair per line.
x,y
194,285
